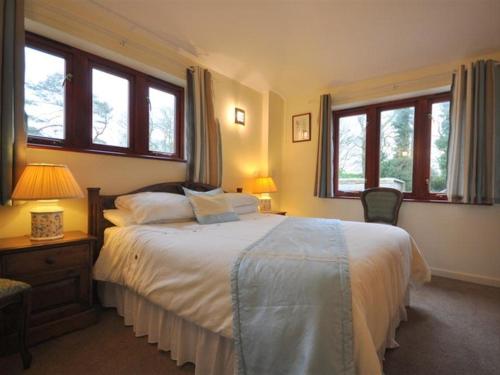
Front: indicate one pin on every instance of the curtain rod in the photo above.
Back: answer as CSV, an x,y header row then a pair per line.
x,y
394,85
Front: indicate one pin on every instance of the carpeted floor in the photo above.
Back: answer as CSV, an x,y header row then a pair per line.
x,y
453,328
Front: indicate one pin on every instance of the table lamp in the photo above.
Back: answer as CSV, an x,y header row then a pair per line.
x,y
264,186
46,183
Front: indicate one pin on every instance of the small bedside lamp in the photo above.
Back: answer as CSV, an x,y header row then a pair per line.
x,y
264,186
46,183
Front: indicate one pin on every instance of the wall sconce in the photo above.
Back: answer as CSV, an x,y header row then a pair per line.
x,y
239,116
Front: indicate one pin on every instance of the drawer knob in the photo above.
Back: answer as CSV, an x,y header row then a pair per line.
x,y
50,260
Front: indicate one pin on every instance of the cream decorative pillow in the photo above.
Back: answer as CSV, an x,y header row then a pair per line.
x,y
189,192
212,209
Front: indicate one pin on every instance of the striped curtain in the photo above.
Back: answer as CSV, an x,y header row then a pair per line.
x,y
474,146
324,166
12,125
203,146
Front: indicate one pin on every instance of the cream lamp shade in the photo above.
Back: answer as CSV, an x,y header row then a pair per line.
x,y
264,186
46,182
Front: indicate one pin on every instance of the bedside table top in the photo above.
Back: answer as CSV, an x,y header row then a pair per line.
x,y
24,242
274,212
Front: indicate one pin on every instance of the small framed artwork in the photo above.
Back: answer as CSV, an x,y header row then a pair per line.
x,y
301,127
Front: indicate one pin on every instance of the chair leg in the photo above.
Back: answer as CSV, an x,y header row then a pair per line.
x,y
23,329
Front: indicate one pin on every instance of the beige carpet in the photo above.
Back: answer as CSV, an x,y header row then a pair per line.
x,y
453,328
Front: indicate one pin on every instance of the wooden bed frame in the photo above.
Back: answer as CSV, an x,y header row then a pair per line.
x,y
97,203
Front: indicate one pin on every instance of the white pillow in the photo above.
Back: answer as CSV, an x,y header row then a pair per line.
x,y
120,218
149,207
242,199
190,192
247,209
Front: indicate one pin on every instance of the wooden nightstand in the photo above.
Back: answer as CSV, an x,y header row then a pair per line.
x,y
60,272
274,212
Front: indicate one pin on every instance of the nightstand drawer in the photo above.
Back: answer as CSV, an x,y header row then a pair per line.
x,y
58,293
46,260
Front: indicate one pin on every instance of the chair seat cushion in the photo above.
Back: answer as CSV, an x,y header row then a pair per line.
x,y
11,287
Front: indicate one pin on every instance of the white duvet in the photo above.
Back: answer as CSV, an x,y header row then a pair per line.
x,y
185,268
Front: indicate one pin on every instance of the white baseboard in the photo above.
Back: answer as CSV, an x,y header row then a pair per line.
x,y
469,277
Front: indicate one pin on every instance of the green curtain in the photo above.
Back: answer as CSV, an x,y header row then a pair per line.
x,y
324,166
12,125
473,152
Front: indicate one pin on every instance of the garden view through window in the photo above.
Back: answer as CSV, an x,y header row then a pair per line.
x,y
161,121
378,145
78,101
110,112
439,146
396,148
352,141
45,94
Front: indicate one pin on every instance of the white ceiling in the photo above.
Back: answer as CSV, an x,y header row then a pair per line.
x,y
303,46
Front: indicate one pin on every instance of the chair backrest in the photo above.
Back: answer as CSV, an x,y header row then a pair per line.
x,y
381,205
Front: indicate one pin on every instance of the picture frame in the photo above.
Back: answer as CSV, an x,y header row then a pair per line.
x,y
301,127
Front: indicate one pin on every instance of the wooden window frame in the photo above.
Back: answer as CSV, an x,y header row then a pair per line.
x,y
151,82
78,105
116,71
53,48
421,146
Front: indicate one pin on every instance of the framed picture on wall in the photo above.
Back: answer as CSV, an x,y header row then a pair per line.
x,y
301,127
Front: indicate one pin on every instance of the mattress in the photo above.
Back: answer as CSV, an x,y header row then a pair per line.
x,y
185,269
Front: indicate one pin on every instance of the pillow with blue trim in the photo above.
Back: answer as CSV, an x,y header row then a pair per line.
x,y
211,209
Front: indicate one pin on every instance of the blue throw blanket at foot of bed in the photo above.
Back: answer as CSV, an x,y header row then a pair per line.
x,y
292,301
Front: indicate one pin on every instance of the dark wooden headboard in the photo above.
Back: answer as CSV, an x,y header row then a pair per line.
x,y
97,203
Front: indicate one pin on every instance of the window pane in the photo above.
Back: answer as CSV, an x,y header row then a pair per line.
x,y
161,121
110,109
396,148
352,146
44,94
439,146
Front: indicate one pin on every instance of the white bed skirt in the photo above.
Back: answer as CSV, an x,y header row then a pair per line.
x,y
211,353
186,342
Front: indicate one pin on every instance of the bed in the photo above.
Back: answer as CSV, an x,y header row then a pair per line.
x,y
171,282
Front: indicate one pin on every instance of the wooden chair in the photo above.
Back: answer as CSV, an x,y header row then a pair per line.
x,y
381,205
17,295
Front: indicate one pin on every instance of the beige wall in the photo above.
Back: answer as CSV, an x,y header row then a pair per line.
x,y
244,152
276,112
244,149
457,240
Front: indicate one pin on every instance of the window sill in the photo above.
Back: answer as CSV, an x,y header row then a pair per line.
x,y
107,152
442,201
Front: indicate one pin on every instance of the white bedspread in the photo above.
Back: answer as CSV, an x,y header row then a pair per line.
x,y
185,268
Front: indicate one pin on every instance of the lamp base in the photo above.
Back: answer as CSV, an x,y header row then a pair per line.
x,y
46,223
265,204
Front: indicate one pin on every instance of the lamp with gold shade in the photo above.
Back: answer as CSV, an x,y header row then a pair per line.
x,y
264,186
46,183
